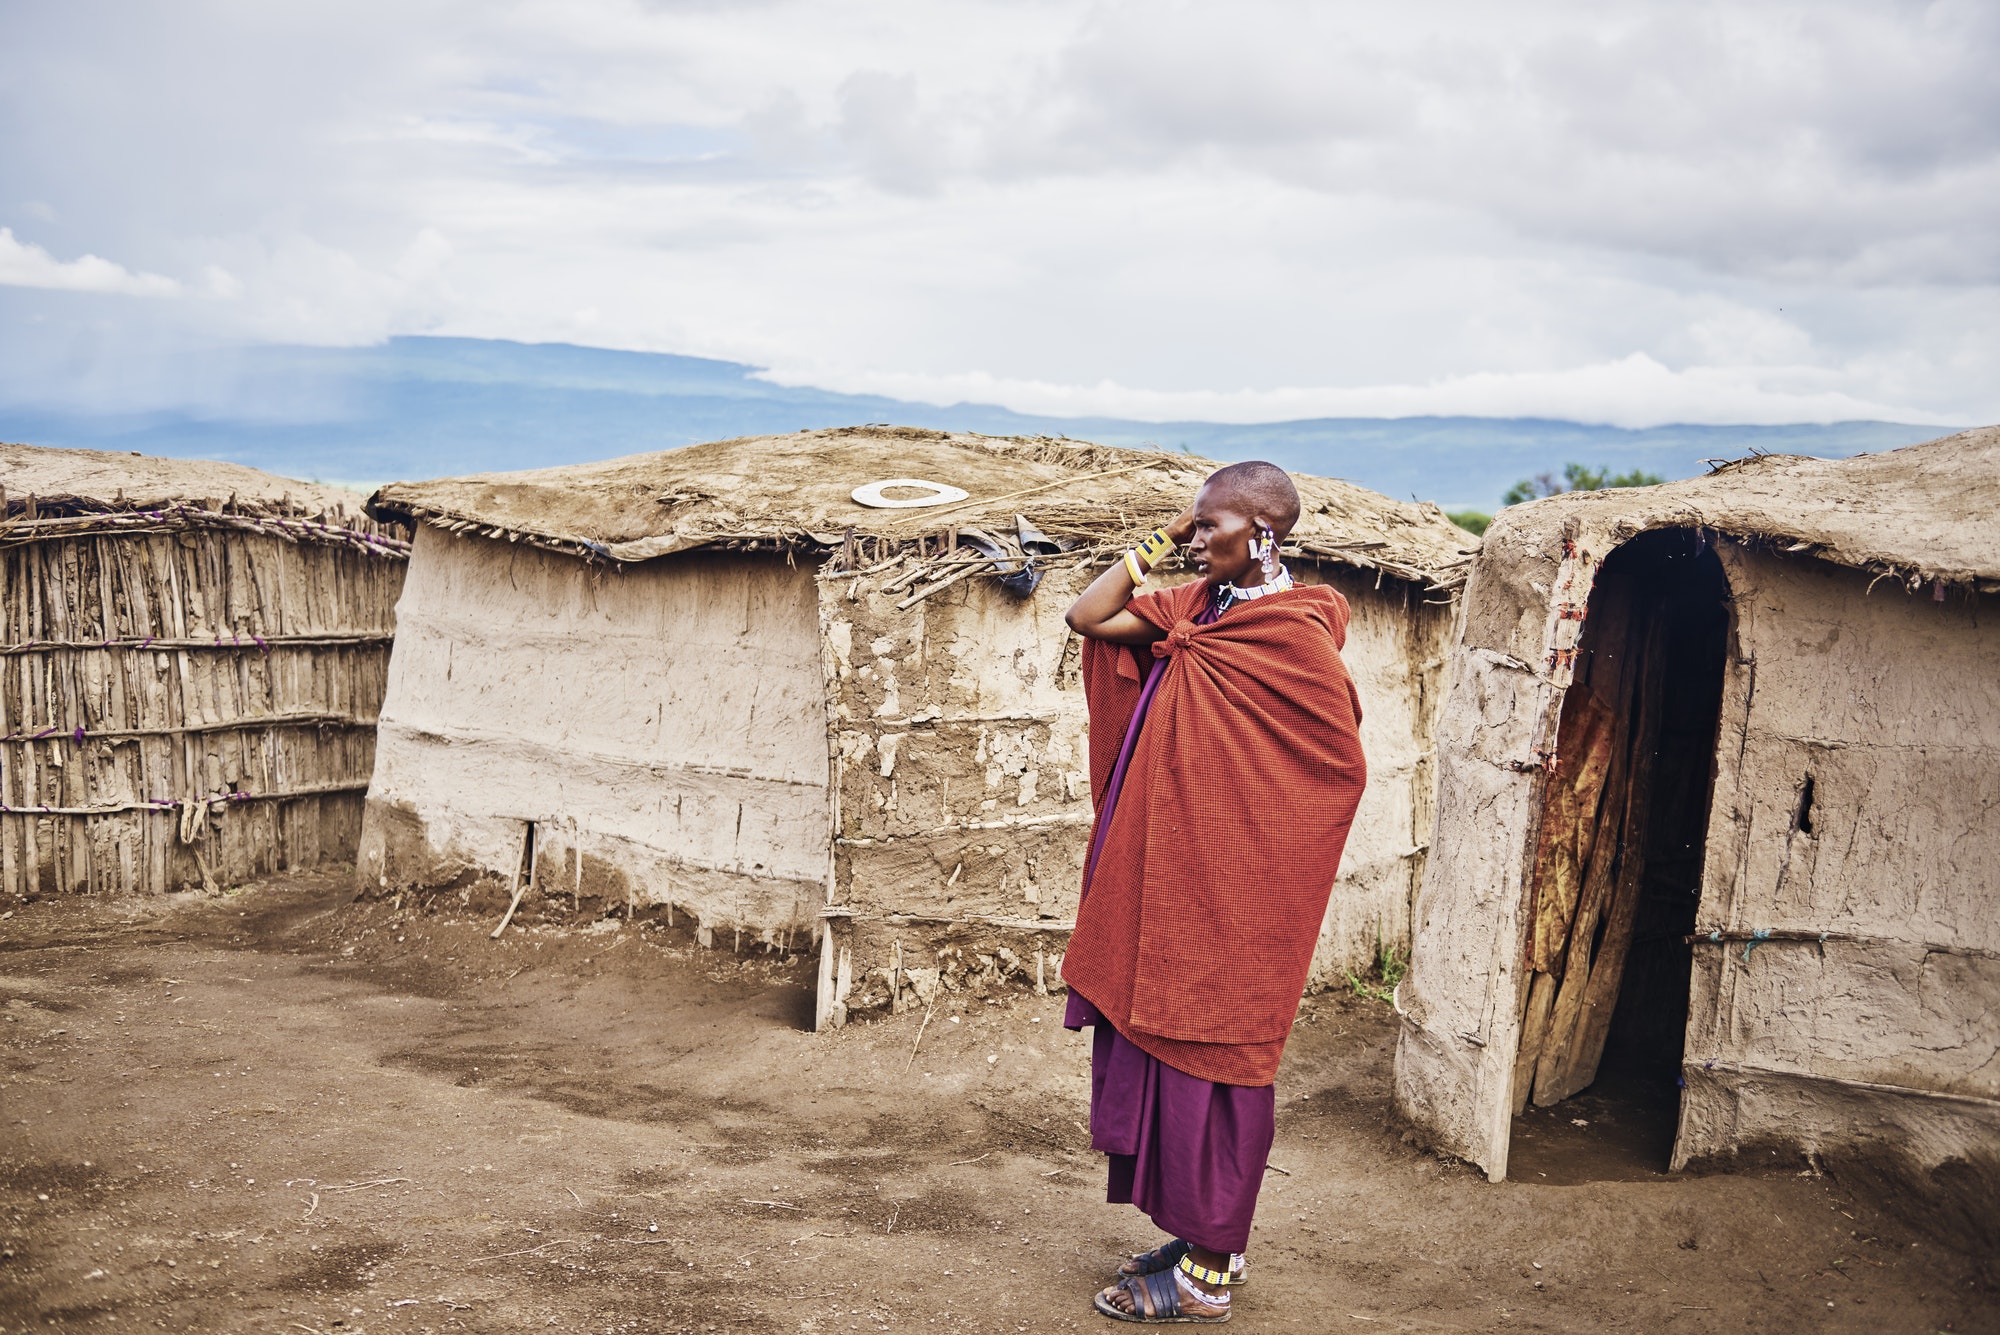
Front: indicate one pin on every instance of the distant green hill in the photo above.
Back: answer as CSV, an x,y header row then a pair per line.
x,y
429,407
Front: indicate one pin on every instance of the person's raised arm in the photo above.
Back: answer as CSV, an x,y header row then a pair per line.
x,y
1100,613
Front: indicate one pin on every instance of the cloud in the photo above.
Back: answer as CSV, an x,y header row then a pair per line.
x,y
25,265
294,288
1633,391
1687,207
1847,140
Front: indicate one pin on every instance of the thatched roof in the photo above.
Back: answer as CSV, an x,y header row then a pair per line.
x,y
794,492
51,493
1921,514
104,480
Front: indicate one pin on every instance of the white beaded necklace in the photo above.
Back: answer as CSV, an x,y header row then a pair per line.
x,y
1228,595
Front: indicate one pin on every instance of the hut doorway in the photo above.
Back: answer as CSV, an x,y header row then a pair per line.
x,y
1618,866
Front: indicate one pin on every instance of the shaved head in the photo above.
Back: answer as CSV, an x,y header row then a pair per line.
x,y
1258,488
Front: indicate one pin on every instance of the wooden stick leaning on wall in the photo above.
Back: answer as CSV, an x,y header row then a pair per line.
x,y
518,887
941,585
916,572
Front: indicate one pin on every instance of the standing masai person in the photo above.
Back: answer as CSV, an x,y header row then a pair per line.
x,y
1225,762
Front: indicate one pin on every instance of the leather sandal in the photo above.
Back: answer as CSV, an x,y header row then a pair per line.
x,y
1156,1300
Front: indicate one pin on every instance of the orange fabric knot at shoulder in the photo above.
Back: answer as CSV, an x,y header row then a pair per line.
x,y
1177,639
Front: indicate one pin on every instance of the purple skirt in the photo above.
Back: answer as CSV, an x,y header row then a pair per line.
x,y
1189,1152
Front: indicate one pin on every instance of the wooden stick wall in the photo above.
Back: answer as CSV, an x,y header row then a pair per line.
x,y
185,708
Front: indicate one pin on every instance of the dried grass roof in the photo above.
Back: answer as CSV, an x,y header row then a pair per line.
x,y
75,480
1920,514
51,493
794,492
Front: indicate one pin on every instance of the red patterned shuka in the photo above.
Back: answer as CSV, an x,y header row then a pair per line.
x,y
1199,919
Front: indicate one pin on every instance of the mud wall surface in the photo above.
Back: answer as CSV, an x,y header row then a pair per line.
x,y
660,727
1460,1001
185,709
1396,652
961,740
1857,799
1885,1031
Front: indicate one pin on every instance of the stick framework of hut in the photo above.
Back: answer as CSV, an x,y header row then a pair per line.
x,y
1717,770
843,730
191,658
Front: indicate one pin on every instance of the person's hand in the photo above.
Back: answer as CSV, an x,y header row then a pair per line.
x,y
1181,527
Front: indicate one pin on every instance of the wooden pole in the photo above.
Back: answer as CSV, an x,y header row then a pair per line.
x,y
518,887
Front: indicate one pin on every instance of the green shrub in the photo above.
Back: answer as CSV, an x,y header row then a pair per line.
x,y
1379,982
1472,521
1576,477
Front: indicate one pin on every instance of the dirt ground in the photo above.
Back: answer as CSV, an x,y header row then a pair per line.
x,y
282,1111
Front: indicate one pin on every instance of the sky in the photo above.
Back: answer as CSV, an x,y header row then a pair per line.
x,y
1626,213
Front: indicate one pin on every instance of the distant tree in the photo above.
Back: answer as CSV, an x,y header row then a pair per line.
x,y
1576,477
1533,489
1472,521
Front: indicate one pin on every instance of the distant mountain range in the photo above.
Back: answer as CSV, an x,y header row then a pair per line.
x,y
432,407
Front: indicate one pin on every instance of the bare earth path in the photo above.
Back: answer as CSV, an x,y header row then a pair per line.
x,y
280,1111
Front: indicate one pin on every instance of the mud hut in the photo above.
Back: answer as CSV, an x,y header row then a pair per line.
x,y
1719,770
711,679
191,657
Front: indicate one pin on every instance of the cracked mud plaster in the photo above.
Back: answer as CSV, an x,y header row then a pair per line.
x,y
977,805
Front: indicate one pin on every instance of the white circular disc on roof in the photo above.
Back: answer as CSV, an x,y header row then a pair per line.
x,y
871,495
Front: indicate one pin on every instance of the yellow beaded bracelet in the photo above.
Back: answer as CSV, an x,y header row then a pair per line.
x,y
1222,1278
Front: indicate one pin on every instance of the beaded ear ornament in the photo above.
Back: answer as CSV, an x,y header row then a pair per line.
x,y
1264,551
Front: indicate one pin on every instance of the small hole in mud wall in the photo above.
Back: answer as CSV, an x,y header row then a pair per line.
x,y
1802,818
1619,869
